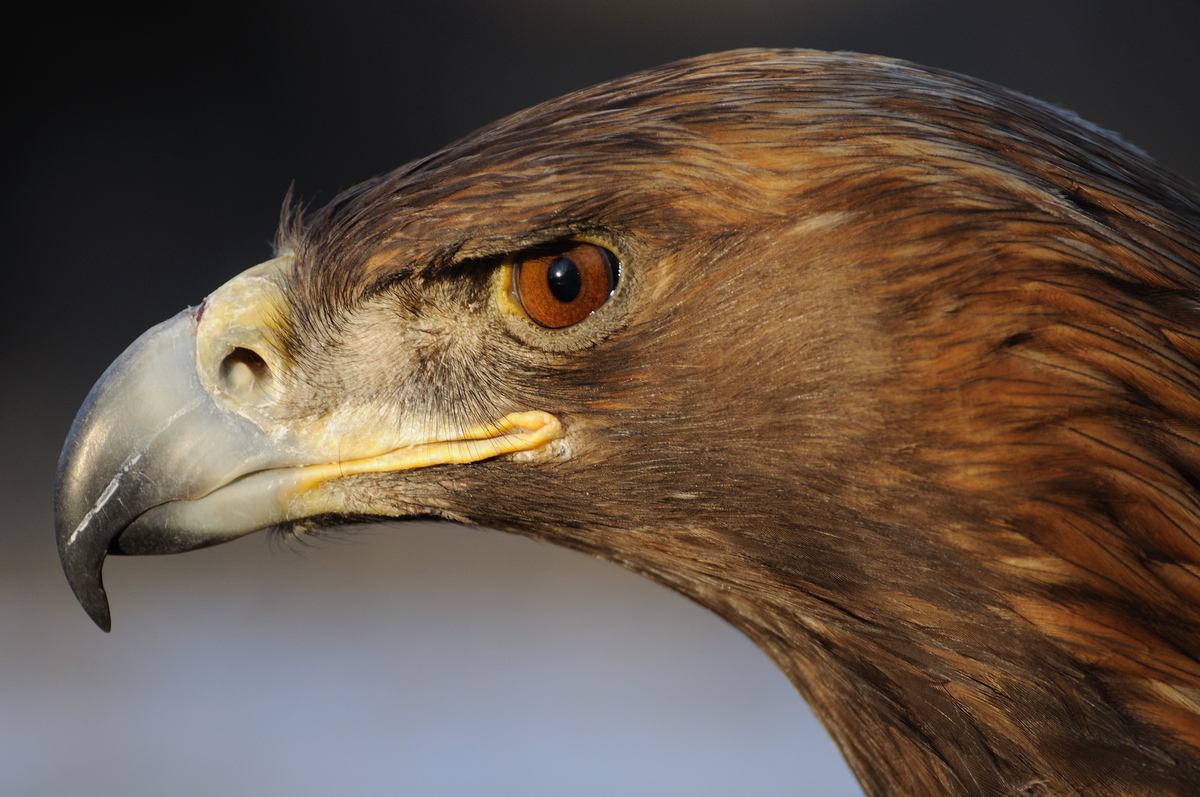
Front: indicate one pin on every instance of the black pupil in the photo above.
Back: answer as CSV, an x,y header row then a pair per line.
x,y
563,277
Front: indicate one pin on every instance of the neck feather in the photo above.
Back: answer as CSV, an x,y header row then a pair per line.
x,y
945,690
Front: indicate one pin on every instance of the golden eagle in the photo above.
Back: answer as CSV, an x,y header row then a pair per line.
x,y
895,370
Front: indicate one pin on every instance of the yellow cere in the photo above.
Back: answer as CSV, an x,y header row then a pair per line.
x,y
242,313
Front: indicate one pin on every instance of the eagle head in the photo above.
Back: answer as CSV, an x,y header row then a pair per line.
x,y
894,370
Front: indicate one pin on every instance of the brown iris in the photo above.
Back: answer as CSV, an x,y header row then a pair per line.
x,y
563,287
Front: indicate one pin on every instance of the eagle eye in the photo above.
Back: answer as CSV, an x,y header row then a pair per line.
x,y
562,287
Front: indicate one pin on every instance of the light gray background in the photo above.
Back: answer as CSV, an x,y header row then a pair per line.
x,y
149,159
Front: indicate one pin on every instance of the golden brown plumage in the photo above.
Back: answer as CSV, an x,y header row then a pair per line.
x,y
901,379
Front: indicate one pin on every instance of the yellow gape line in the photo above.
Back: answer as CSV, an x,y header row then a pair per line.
x,y
518,431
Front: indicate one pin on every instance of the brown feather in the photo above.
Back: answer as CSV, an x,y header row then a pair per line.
x,y
907,392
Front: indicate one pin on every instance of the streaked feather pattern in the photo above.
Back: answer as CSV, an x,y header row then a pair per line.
x,y
909,394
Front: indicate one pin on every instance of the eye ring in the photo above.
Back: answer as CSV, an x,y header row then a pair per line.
x,y
561,287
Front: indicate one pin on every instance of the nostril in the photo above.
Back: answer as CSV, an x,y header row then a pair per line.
x,y
244,373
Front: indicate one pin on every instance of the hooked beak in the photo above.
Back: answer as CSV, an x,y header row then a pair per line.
x,y
146,429
175,449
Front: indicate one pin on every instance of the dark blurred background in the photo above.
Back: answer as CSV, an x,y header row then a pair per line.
x,y
148,157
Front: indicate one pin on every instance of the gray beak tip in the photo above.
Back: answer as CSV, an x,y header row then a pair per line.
x,y
98,611
83,571
94,601
92,597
